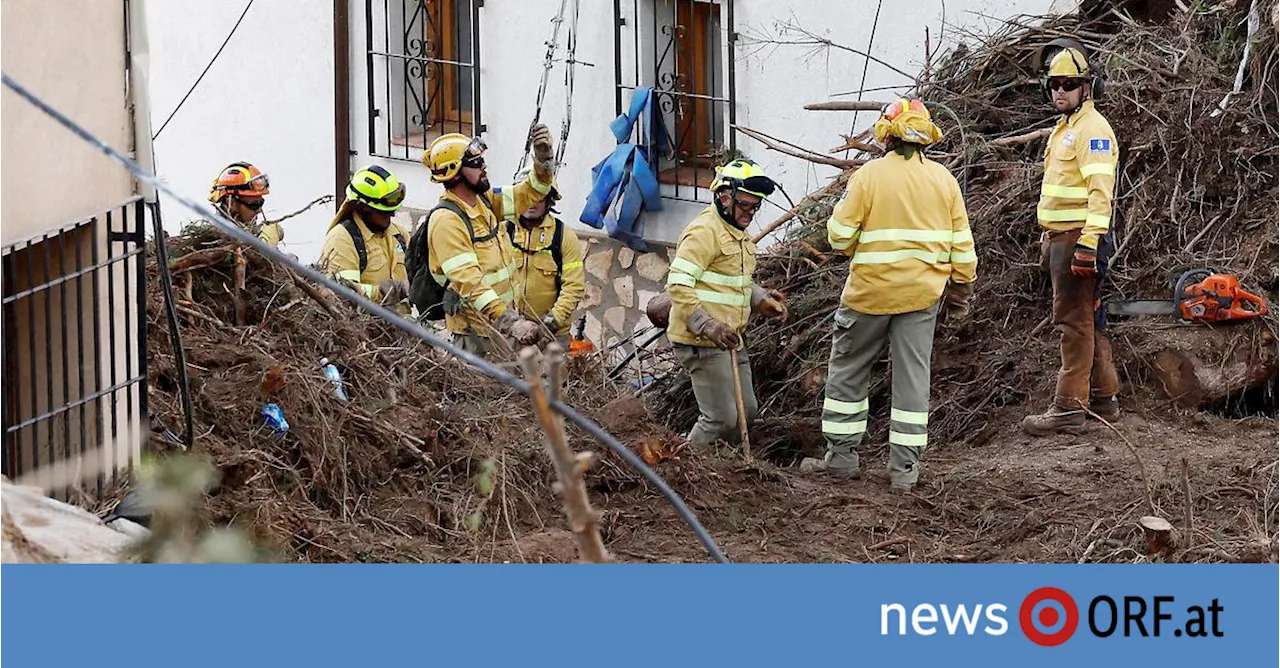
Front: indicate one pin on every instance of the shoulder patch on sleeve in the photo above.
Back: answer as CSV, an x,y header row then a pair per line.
x,y
1100,145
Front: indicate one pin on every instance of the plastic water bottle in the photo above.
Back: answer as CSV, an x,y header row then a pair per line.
x,y
331,372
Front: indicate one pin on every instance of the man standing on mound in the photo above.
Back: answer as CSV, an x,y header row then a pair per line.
x,y
1075,212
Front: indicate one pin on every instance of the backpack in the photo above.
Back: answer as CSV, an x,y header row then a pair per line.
x,y
556,248
424,292
357,240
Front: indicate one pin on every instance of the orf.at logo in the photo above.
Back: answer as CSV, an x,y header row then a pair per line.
x,y
1048,616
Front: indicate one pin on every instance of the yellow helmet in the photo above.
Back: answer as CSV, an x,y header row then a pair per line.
x,y
376,187
447,153
1069,63
745,175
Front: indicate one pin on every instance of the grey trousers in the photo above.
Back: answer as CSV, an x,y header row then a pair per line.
x,y
859,338
712,378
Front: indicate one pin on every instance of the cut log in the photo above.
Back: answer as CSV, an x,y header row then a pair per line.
x,y
1198,367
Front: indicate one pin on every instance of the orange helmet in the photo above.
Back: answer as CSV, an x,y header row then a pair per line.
x,y
242,179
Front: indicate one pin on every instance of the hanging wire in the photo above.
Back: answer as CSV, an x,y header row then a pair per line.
x,y
396,320
206,71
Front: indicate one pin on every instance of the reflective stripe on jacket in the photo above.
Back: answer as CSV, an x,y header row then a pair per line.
x,y
903,222
480,272
385,255
1079,175
536,273
712,270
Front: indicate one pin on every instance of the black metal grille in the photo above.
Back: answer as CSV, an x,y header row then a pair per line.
x,y
683,50
75,362
422,64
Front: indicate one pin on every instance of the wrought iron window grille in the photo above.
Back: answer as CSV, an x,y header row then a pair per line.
x,y
422,80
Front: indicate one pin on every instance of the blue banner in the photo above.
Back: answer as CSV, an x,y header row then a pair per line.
x,y
637,615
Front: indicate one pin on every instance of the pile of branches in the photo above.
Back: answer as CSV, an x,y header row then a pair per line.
x,y
1197,187
427,460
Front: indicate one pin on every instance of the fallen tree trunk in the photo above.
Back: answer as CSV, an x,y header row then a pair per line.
x,y
1200,367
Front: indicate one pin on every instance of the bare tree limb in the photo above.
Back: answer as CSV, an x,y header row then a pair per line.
x,y
803,154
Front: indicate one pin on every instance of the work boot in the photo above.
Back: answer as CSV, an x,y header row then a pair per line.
x,y
1107,408
843,466
1056,420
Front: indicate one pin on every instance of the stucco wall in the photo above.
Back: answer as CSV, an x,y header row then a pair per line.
x,y
71,53
268,100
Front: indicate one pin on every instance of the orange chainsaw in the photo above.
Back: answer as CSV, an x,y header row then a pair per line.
x,y
1199,295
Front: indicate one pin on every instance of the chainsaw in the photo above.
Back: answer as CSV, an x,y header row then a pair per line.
x,y
578,344
1199,295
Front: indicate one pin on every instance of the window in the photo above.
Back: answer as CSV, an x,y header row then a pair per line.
x,y
421,73
74,356
682,49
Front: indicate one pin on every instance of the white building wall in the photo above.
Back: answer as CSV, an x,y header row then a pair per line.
x,y
269,99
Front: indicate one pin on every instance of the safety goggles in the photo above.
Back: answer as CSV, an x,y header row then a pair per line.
x,y
1062,83
750,207
259,182
474,157
392,199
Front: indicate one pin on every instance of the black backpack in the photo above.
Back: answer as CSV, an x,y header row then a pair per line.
x,y
556,248
357,240
424,292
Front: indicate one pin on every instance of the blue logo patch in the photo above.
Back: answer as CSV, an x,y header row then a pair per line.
x,y
1099,145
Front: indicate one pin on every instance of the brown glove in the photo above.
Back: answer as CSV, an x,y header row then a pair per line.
x,y
542,148
520,330
956,302
774,306
721,334
393,292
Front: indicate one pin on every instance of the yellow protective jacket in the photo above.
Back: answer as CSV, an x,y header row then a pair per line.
x,y
480,271
384,255
712,270
536,271
904,223
1079,175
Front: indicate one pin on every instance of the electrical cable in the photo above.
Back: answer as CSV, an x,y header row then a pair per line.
x,y
391,317
175,334
206,71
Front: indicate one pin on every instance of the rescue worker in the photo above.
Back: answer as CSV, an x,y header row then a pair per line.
x,y
474,258
1075,212
550,279
239,193
903,221
364,247
713,296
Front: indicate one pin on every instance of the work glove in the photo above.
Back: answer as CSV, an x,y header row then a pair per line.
x,y
1084,264
393,292
543,151
721,334
551,323
774,306
520,330
956,302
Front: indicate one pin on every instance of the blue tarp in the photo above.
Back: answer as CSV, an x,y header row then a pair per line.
x,y
625,184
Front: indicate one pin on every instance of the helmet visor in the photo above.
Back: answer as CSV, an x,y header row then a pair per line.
x,y
393,199
761,186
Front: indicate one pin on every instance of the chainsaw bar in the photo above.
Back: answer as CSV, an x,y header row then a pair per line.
x,y
1142,307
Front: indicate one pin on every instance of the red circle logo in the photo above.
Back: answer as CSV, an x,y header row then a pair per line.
x,y
1041,620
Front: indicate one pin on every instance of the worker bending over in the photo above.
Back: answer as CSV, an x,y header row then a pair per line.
x,y
364,247
1075,212
903,221
468,251
713,296
239,193
550,279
